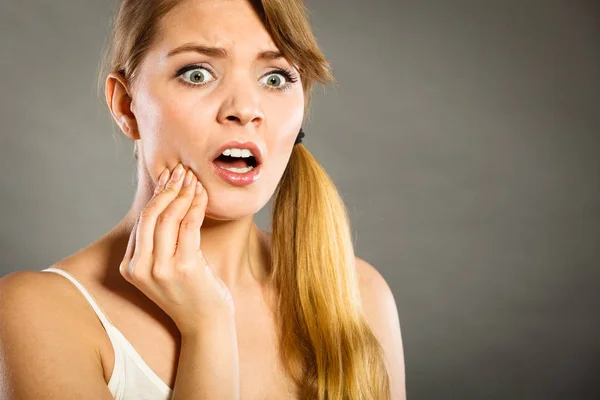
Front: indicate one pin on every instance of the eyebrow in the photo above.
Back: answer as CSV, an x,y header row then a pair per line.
x,y
219,52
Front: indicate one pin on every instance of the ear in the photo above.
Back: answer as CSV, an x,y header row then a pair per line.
x,y
119,102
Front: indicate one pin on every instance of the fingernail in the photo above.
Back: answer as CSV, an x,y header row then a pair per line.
x,y
198,187
188,177
164,177
177,173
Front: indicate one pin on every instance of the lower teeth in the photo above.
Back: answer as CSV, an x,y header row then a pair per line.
x,y
239,170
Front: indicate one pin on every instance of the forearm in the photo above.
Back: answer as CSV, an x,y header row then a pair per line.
x,y
209,365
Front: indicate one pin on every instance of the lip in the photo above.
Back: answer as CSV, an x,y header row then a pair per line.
x,y
238,179
253,147
234,178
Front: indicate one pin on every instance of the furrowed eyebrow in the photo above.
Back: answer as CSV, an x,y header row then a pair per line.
x,y
269,55
219,52
198,48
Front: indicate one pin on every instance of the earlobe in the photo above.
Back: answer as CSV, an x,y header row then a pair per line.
x,y
119,103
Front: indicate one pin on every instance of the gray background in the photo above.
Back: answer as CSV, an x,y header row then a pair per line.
x,y
463,135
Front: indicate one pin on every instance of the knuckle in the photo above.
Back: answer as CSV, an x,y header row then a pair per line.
x,y
171,189
196,205
123,268
167,216
160,273
134,273
196,210
183,268
147,213
189,224
129,272
133,270
188,192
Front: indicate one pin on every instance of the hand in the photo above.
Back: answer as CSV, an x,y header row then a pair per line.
x,y
163,258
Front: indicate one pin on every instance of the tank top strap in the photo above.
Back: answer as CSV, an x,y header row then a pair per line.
x,y
103,318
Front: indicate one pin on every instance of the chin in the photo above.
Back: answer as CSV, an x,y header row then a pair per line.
x,y
232,206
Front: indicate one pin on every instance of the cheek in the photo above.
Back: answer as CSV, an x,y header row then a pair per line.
x,y
169,123
284,119
284,124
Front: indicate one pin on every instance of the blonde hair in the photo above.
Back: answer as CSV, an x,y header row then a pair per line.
x,y
325,342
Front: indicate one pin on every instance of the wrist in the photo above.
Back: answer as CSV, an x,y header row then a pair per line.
x,y
215,326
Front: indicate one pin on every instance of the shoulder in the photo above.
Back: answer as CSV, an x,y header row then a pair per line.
x,y
43,298
46,308
381,312
378,299
45,339
26,290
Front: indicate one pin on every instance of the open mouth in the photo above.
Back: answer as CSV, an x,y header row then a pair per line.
x,y
236,160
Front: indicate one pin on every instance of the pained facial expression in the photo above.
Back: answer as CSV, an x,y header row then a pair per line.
x,y
189,104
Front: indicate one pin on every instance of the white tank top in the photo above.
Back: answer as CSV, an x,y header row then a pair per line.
x,y
132,378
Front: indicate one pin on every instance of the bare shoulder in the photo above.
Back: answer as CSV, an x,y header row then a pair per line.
x,y
35,292
46,299
381,313
31,294
42,327
378,299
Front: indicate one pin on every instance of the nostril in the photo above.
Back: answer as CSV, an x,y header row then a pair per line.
x,y
232,118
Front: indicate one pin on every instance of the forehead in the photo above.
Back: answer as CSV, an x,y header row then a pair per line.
x,y
231,24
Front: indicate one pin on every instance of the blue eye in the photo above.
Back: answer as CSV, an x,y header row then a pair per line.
x,y
196,75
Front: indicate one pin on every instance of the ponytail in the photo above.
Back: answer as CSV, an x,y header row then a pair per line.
x,y
325,342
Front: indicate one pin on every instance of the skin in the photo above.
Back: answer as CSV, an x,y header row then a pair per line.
x,y
173,123
163,115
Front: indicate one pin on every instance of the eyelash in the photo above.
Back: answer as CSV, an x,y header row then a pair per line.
x,y
287,74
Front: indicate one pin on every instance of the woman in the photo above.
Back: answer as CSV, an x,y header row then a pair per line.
x,y
189,298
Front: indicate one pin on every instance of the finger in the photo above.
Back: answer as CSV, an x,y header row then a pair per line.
x,y
126,263
126,266
188,241
162,181
150,213
167,224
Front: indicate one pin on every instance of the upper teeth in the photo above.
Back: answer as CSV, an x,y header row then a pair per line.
x,y
245,153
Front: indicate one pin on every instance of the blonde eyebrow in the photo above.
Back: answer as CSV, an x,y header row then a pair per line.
x,y
219,52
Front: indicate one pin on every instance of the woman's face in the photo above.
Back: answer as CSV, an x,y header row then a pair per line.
x,y
214,76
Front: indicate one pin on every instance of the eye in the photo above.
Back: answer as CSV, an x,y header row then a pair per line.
x,y
278,80
196,76
275,80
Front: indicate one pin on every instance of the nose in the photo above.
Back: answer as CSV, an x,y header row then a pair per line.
x,y
241,105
